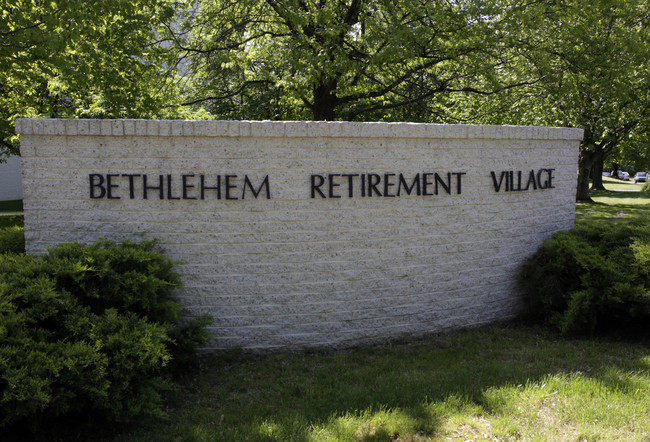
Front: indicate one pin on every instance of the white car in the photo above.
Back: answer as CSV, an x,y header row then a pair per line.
x,y
622,175
640,177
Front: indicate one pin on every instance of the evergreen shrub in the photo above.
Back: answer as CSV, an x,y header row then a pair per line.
x,y
592,279
12,239
90,330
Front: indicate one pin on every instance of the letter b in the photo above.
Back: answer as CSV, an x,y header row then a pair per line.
x,y
96,185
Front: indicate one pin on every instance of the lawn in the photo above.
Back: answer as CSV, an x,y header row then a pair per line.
x,y
621,199
7,213
614,184
495,383
504,382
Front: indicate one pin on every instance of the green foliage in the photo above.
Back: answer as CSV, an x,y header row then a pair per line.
x,y
79,59
90,330
327,60
646,187
11,220
592,65
595,278
12,239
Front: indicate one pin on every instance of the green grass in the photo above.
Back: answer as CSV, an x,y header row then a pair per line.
x,y
10,207
500,382
611,205
614,184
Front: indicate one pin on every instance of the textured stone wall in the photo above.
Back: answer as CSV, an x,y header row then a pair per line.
x,y
312,237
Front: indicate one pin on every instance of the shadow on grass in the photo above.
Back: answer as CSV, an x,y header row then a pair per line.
x,y
11,206
368,393
612,205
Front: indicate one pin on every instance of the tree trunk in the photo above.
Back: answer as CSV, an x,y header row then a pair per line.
x,y
597,173
585,162
325,102
582,193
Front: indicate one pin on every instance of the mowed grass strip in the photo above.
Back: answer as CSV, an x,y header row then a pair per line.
x,y
496,383
7,207
611,205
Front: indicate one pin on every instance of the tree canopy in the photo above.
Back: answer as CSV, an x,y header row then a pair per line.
x,y
546,62
593,63
335,59
69,58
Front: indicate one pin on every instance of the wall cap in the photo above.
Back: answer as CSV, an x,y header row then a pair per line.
x,y
288,129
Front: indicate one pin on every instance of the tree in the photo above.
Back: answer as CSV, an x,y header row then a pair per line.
x,y
337,59
594,64
76,58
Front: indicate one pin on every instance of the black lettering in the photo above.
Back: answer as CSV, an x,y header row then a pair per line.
x,y
350,183
497,186
387,183
332,185
131,177
96,185
373,181
159,188
402,182
316,187
542,185
446,186
531,180
459,176
230,186
247,183
110,186
187,186
204,187
426,183
169,189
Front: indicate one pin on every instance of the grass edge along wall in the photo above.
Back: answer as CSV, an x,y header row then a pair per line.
x,y
295,234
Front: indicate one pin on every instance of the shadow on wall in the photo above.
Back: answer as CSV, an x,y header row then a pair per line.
x,y
11,185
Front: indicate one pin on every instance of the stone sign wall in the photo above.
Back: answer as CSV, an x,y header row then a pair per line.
x,y
300,234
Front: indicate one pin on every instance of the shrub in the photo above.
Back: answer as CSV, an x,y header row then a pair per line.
x,y
90,330
12,239
646,187
594,278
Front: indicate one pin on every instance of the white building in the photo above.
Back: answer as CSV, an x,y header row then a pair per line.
x,y
11,186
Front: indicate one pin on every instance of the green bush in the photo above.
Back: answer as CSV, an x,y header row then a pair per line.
x,y
12,239
595,278
90,330
646,187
